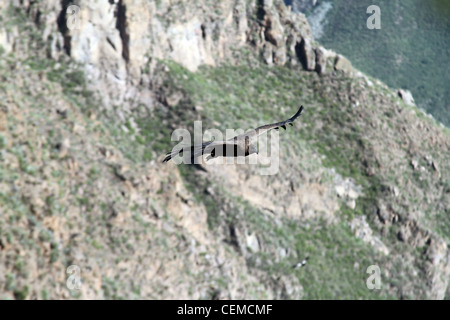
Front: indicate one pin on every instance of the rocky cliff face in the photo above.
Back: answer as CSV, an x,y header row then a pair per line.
x,y
87,111
114,40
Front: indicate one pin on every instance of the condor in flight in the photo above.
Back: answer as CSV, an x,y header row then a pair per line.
x,y
241,145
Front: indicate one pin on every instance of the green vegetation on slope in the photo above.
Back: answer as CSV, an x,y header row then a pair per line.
x,y
410,50
372,141
349,137
337,263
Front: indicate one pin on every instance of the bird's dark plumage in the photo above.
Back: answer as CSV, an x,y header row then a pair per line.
x,y
241,145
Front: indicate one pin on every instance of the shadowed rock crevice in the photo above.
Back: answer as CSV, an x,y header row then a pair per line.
x,y
260,13
301,55
121,25
62,25
306,55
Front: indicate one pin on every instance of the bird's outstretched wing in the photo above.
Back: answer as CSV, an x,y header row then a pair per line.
x,y
277,125
252,134
197,151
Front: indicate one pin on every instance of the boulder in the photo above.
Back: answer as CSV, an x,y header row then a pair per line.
x,y
406,97
306,54
343,64
324,59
